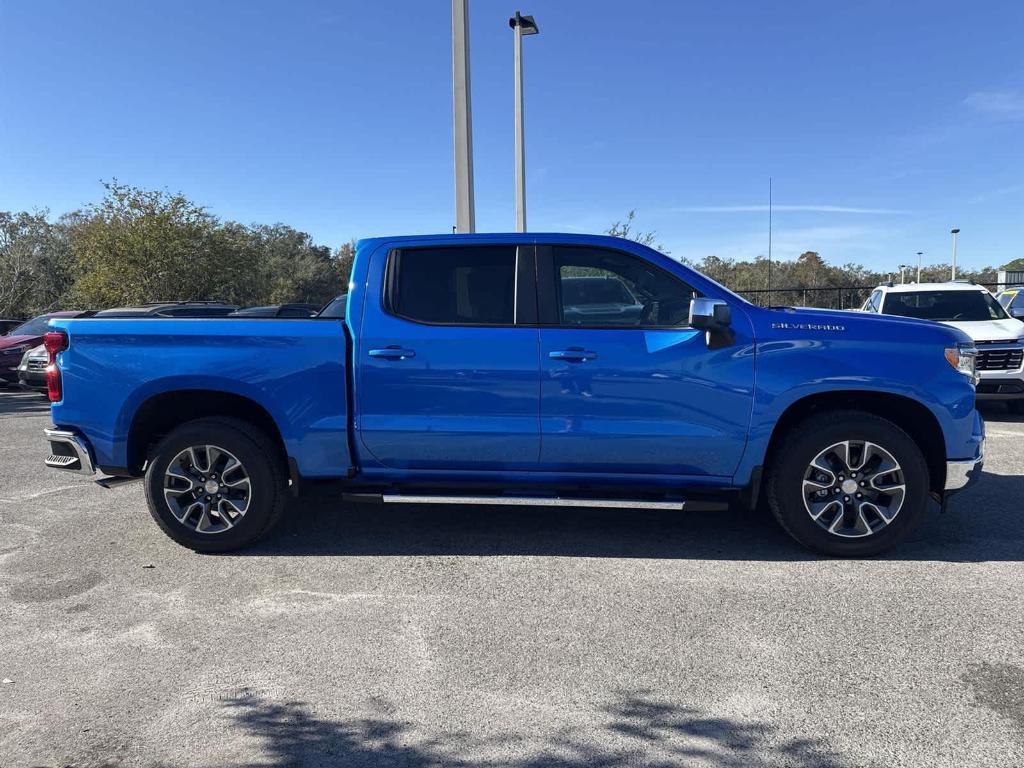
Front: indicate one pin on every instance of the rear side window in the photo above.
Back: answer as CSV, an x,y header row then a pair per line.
x,y
468,285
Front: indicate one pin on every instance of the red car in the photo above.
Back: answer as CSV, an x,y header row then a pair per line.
x,y
27,335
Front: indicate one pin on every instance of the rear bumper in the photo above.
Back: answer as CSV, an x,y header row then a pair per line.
x,y
962,474
69,452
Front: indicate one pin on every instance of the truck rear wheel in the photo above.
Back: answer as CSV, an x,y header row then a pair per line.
x,y
216,484
848,483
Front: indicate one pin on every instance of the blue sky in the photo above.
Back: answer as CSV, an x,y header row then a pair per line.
x,y
883,124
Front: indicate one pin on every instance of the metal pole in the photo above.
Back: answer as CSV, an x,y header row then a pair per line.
x,y
462,116
520,127
954,232
769,241
919,254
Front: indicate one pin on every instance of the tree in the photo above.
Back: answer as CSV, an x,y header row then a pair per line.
x,y
624,229
34,262
1016,264
146,245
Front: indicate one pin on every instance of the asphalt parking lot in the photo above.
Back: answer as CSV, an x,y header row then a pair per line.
x,y
363,635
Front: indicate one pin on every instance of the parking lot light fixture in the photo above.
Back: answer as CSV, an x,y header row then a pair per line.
x,y
521,25
954,232
919,255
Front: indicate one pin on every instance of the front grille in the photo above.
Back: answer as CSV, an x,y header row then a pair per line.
x,y
1000,359
37,366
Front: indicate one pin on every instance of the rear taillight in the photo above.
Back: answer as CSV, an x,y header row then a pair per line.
x,y
54,341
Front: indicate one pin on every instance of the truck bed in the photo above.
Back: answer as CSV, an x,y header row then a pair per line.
x,y
293,369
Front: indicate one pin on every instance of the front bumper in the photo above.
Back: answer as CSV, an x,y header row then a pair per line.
x,y
69,451
1000,389
962,474
32,380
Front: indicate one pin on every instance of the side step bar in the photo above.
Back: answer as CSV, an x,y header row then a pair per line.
x,y
538,501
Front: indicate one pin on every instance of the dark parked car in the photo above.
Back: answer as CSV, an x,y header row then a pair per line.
x,y
601,300
172,309
7,324
334,308
22,338
278,310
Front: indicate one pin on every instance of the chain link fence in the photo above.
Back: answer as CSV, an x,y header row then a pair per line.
x,y
844,297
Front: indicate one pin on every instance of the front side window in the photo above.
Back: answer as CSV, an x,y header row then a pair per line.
x,y
467,285
945,306
599,288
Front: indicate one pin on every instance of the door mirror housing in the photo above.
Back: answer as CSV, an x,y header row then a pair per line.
x,y
710,314
1017,312
714,317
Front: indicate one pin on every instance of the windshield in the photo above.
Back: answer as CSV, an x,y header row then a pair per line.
x,y
945,306
34,327
335,309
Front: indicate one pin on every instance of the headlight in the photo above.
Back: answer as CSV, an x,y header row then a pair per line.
x,y
964,360
14,350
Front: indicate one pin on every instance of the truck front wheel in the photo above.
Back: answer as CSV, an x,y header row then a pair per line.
x,y
215,484
848,483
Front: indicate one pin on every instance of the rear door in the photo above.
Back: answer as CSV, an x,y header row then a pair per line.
x,y
626,385
448,368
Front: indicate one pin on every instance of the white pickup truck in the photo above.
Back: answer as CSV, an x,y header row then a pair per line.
x,y
971,308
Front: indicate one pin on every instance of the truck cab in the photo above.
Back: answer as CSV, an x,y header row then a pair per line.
x,y
542,369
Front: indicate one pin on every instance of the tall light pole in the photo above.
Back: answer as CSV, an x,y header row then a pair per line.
x,y
521,25
919,255
462,117
903,274
954,233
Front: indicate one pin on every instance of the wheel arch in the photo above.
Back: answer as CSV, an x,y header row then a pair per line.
x,y
163,412
910,415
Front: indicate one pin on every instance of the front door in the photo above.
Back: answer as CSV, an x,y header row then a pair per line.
x,y
626,385
448,370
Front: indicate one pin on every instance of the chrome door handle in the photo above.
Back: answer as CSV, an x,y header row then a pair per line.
x,y
573,355
392,353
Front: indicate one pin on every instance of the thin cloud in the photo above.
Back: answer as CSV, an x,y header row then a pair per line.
x,y
783,209
1001,105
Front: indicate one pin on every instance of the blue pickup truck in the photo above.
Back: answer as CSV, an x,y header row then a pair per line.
x,y
475,369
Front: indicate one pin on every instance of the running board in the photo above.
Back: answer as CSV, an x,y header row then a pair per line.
x,y
538,501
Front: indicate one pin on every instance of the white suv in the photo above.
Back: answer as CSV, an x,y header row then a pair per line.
x,y
969,307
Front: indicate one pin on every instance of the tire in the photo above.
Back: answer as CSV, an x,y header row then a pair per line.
x,y
1015,406
794,486
252,506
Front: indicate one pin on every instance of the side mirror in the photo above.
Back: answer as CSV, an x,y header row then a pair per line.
x,y
1017,312
713,316
710,314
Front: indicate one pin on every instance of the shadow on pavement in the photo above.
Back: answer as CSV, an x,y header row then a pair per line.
x,y
18,401
982,523
635,730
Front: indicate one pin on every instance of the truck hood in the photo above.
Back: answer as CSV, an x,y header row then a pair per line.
x,y
17,341
1008,329
851,321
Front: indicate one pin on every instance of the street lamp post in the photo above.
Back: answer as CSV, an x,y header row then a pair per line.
x,y
903,274
521,25
954,233
919,255
462,118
